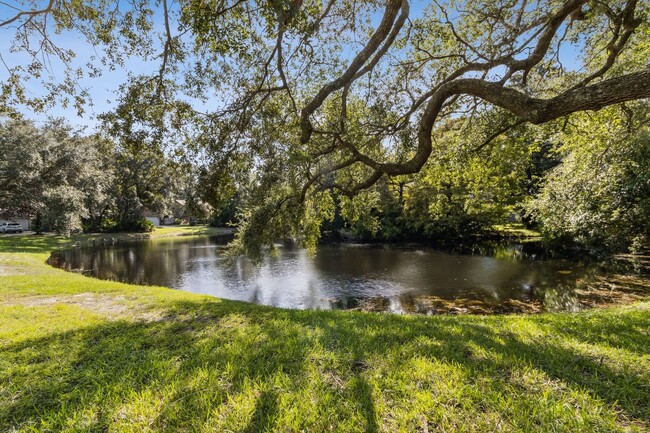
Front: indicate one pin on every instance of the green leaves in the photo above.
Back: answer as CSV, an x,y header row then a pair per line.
x,y
598,196
53,173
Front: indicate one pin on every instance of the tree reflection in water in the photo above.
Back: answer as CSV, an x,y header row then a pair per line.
x,y
399,279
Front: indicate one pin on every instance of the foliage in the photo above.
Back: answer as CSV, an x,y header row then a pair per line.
x,y
144,179
67,181
113,31
600,194
262,91
52,173
107,225
463,190
226,215
141,225
62,204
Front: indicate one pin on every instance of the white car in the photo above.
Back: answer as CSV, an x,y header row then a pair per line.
x,y
12,227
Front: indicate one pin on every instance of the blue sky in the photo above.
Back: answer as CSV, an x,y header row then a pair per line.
x,y
102,90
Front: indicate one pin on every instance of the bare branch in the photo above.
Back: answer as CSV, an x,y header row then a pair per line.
x,y
30,14
497,133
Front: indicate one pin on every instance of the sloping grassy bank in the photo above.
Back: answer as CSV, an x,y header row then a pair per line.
x,y
79,354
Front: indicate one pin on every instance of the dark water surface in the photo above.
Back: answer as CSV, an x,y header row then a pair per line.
x,y
390,278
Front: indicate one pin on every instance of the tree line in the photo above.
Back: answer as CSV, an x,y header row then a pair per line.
x,y
583,180
67,182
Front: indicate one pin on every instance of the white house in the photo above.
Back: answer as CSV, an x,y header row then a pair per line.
x,y
152,217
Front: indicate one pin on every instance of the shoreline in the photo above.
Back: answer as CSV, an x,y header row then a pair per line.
x,y
615,286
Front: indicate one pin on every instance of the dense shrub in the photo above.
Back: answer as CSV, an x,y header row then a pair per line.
x,y
600,195
109,225
141,225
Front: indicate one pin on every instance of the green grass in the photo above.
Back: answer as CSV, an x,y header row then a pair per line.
x,y
80,354
516,230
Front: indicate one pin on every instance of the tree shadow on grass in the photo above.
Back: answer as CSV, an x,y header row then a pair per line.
x,y
362,389
454,340
264,417
356,338
74,370
31,243
210,352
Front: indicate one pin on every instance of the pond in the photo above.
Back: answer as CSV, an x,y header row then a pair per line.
x,y
398,279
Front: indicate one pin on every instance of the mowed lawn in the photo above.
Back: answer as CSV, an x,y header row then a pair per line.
x,y
80,354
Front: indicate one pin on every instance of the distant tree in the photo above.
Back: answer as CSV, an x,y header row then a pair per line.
x,y
187,183
52,174
23,161
146,178
62,209
144,181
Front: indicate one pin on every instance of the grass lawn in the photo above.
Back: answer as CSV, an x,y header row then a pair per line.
x,y
517,231
80,354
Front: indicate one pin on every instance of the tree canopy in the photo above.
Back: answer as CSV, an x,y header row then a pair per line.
x,y
52,174
316,97
600,194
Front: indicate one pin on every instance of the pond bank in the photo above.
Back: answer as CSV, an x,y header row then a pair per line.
x,y
83,354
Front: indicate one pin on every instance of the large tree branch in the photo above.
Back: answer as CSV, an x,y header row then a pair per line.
x,y
384,30
532,110
548,27
624,26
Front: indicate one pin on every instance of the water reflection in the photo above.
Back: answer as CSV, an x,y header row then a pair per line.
x,y
402,279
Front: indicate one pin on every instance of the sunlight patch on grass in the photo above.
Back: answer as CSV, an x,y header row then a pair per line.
x,y
516,230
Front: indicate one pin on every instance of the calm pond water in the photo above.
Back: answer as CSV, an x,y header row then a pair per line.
x,y
397,279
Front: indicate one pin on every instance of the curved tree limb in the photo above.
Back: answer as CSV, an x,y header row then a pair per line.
x,y
528,109
379,36
30,14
